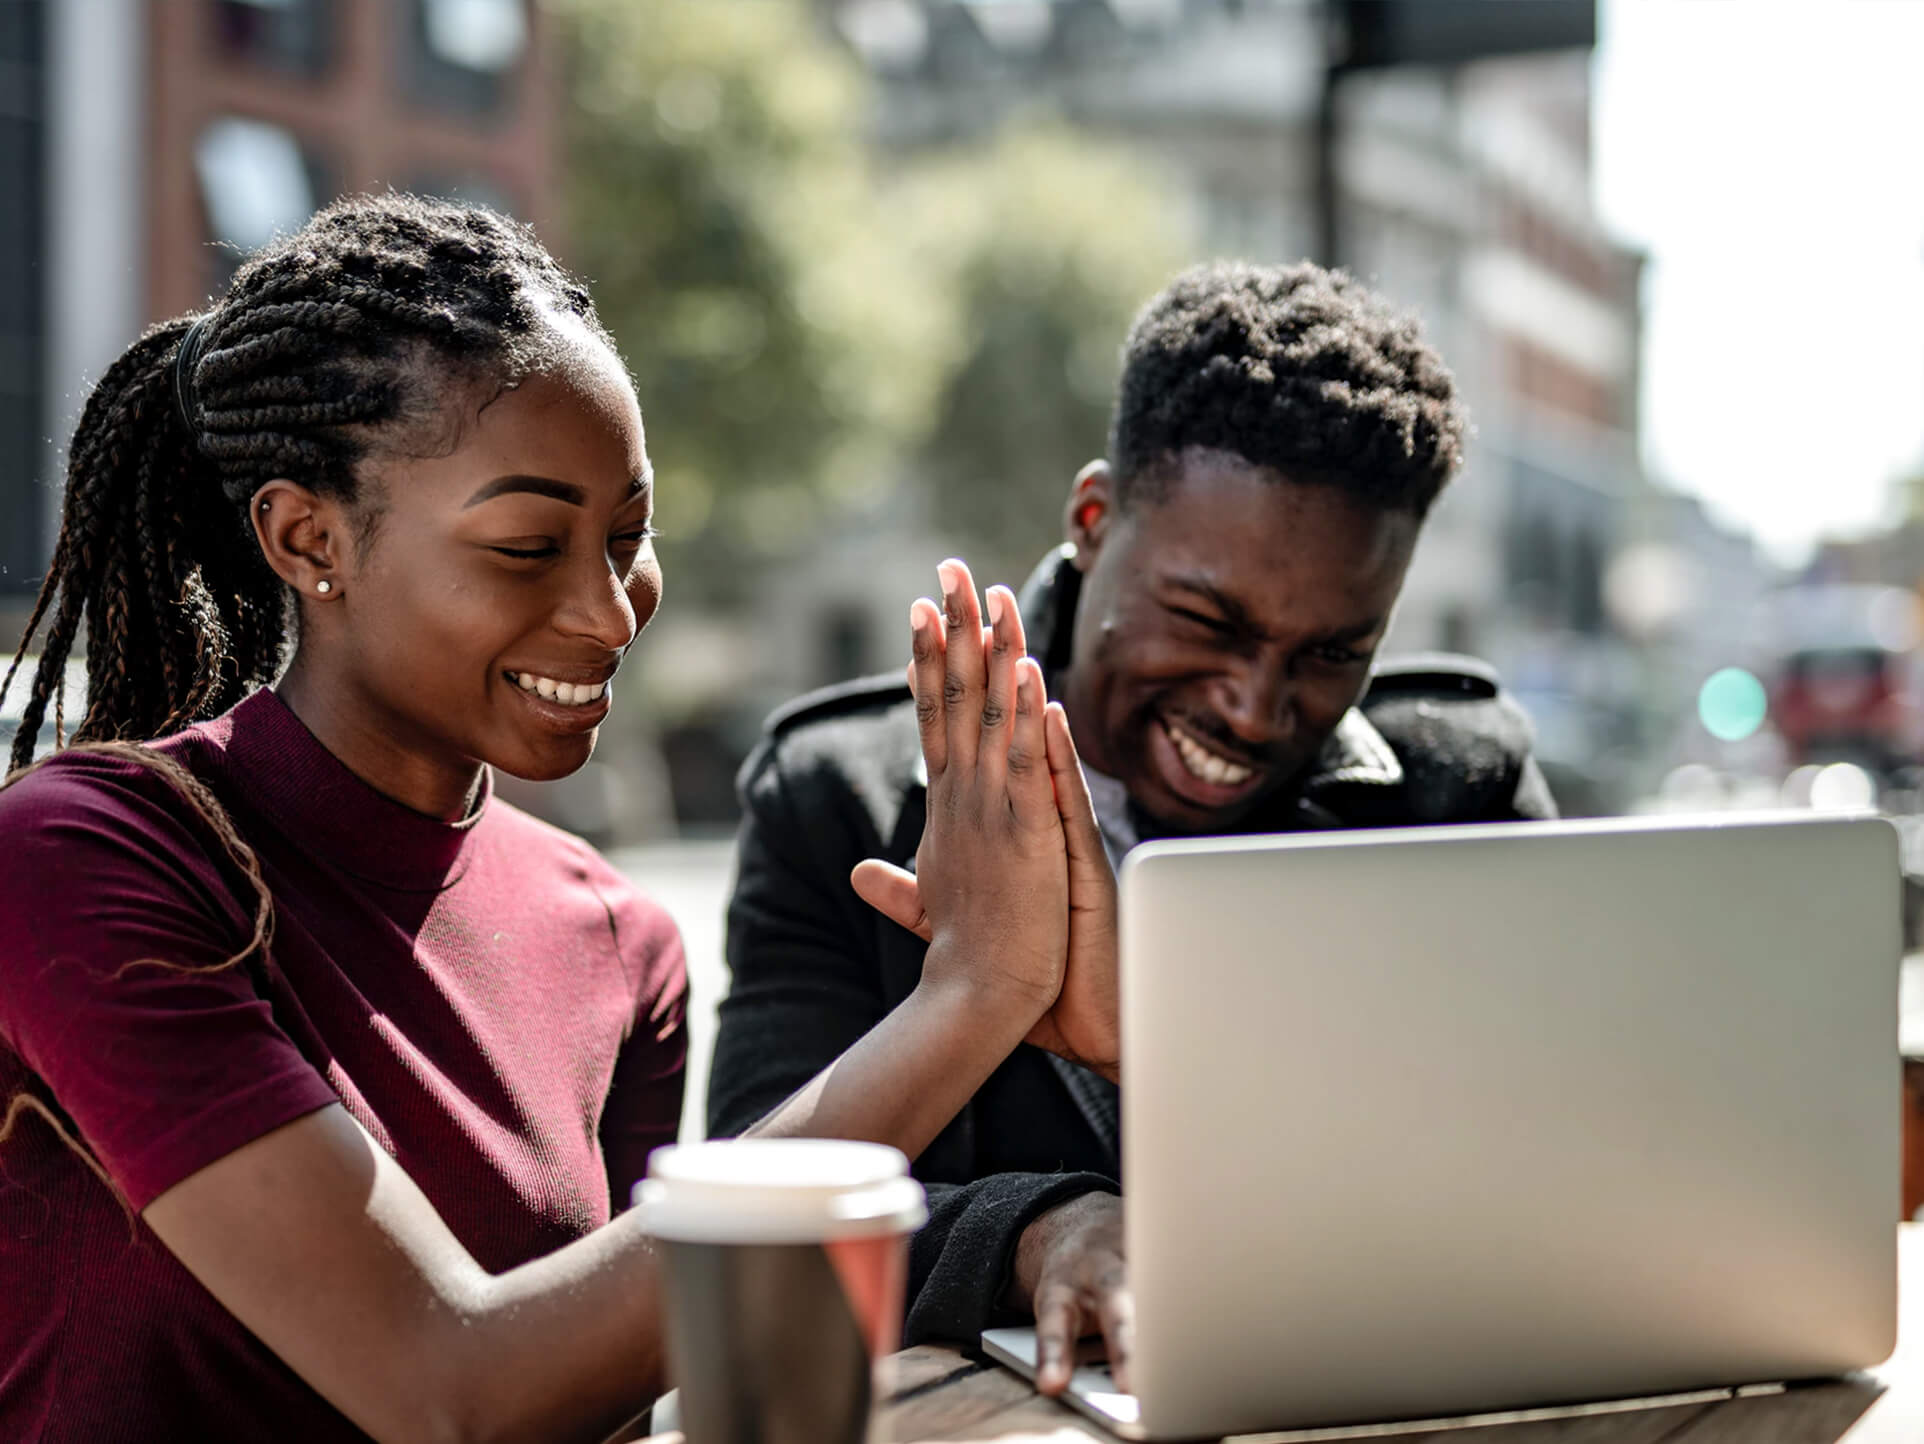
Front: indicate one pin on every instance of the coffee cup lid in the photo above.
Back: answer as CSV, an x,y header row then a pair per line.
x,y
778,1190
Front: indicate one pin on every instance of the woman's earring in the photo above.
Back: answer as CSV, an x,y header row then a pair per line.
x,y
323,586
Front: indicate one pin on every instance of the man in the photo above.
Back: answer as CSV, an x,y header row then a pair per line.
x,y
1210,626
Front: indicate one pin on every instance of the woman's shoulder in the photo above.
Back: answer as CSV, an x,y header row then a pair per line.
x,y
98,810
538,847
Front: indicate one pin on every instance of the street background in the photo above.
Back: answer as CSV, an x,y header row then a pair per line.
x,y
871,262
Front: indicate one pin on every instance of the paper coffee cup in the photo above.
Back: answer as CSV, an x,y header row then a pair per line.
x,y
785,1264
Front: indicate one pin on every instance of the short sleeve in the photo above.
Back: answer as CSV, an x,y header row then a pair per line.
x,y
117,912
643,1110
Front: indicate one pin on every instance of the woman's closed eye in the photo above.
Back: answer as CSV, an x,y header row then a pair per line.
x,y
526,549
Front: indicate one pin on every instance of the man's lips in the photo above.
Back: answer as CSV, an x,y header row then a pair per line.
x,y
1201,772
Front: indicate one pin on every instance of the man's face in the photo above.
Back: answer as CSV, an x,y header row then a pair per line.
x,y
1225,625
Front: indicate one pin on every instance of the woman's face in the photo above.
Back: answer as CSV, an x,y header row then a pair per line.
x,y
502,583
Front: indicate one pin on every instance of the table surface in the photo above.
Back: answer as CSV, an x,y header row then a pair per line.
x,y
941,1394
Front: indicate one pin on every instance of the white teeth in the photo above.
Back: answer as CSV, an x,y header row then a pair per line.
x,y
1204,764
568,694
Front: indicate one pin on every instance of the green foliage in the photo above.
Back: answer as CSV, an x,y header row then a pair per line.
x,y
1048,243
720,207
805,336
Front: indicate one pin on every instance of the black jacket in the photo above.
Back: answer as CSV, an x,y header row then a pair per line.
x,y
838,778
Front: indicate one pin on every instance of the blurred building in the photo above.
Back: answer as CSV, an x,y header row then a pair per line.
x,y
152,143
1463,192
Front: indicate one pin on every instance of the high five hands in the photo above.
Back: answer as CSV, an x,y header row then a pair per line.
x,y
1011,870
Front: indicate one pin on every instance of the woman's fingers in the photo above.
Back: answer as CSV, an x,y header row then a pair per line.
x,y
965,671
892,892
928,644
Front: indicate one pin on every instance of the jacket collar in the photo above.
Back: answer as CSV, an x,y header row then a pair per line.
x,y
1356,753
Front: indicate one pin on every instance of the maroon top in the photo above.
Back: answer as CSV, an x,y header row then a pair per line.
x,y
490,999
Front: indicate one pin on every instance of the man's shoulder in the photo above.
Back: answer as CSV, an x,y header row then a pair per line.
x,y
1461,742
855,738
1448,675
865,704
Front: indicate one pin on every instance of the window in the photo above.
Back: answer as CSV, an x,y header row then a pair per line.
x,y
292,35
464,53
256,183
23,553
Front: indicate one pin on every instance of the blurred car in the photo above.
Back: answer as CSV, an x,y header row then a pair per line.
x,y
1848,686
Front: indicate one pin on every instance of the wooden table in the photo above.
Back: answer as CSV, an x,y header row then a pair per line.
x,y
940,1394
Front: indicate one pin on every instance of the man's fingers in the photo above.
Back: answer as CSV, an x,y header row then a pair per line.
x,y
925,681
965,672
1030,791
1080,831
1058,1324
893,893
999,692
1116,1311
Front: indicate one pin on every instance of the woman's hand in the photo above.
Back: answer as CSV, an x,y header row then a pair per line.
x,y
1081,1023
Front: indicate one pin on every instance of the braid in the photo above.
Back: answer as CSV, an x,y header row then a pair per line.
x,y
325,341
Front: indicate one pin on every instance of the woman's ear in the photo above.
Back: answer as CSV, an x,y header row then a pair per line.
x,y
303,536
1092,505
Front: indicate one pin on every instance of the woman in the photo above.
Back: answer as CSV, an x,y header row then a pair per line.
x,y
322,1068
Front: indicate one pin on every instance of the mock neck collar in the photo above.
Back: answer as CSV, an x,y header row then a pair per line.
x,y
286,773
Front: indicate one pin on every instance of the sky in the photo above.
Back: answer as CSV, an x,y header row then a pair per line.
x,y
1768,155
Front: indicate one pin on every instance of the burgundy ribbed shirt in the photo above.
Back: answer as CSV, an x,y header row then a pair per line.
x,y
490,999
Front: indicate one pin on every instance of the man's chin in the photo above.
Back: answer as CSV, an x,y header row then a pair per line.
x,y
1175,815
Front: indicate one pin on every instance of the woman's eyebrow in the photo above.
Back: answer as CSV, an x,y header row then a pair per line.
x,y
538,485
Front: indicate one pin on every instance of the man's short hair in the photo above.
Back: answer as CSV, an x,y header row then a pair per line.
x,y
1293,368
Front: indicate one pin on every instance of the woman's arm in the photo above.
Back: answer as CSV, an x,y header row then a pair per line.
x,y
318,1242
322,1246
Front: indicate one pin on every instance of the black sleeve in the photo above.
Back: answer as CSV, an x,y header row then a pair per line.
x,y
804,982
961,1263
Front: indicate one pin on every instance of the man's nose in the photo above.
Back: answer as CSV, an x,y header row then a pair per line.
x,y
597,609
1254,699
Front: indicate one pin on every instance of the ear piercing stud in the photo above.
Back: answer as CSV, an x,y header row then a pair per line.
x,y
323,586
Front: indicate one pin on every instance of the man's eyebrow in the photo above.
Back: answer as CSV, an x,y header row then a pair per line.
x,y
537,485
1234,612
1238,617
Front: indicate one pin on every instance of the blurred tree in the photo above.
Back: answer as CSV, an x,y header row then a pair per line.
x,y
805,335
1048,242
720,204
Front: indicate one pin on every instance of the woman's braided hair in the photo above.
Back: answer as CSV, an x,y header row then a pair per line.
x,y
1293,368
326,342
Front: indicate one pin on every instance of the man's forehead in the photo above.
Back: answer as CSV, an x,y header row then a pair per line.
x,y
1250,536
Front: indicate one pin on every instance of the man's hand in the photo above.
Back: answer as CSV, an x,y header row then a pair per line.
x,y
1082,1024
1070,1273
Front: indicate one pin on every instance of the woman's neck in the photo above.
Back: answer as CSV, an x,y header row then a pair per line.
x,y
377,748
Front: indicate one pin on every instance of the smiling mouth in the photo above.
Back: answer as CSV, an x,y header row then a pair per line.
x,y
1203,763
564,694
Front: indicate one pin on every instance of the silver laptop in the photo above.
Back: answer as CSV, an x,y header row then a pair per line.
x,y
1443,1121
